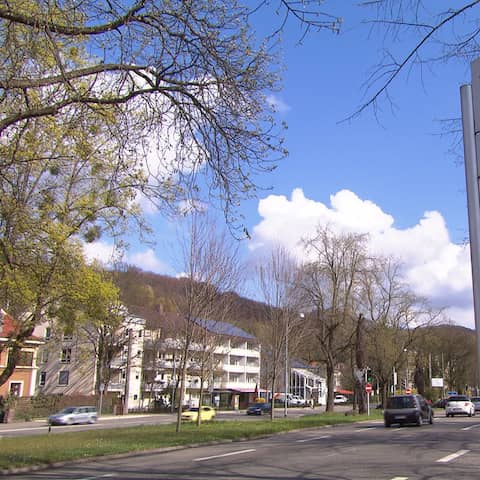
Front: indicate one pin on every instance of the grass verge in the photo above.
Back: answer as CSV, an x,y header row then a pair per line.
x,y
60,447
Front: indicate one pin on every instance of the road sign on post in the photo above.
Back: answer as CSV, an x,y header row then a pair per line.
x,y
368,387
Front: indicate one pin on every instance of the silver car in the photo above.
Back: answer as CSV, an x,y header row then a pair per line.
x,y
476,403
74,415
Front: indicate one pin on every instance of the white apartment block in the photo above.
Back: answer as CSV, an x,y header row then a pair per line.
x,y
145,369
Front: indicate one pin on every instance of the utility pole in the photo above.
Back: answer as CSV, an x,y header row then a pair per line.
x,y
470,102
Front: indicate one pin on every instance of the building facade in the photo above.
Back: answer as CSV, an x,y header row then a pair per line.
x,y
22,382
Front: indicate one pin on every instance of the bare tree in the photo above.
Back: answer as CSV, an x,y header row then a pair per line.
x,y
212,270
418,34
278,280
395,319
330,285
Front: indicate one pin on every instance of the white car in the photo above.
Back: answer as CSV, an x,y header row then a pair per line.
x,y
340,399
459,405
297,401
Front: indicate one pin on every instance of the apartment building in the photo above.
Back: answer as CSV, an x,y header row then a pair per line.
x,y
222,359
145,367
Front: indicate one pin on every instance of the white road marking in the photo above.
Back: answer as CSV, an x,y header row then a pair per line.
x,y
201,459
94,478
399,478
470,427
452,456
364,429
313,438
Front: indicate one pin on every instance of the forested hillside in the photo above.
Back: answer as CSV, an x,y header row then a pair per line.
x,y
151,293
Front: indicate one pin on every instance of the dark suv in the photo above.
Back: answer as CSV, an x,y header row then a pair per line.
x,y
405,409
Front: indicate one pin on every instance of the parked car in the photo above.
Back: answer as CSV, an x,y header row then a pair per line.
x,y
476,403
340,399
191,415
73,415
405,409
459,405
297,401
259,408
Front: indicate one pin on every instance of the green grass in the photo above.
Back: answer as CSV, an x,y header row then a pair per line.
x,y
49,448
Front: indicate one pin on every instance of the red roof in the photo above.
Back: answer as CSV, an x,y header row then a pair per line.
x,y
7,323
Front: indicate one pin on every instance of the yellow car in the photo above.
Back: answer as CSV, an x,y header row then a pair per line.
x,y
191,415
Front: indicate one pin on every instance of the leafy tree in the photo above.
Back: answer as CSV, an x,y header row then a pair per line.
x,y
105,104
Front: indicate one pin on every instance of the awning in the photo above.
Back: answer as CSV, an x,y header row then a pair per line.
x,y
344,392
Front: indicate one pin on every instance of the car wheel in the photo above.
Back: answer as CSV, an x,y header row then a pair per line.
x,y
430,420
387,424
419,420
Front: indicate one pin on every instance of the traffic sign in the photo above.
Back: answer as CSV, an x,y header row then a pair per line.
x,y
368,387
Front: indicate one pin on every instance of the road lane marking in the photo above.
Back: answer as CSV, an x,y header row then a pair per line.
x,y
201,459
470,427
364,429
399,478
100,476
452,456
313,438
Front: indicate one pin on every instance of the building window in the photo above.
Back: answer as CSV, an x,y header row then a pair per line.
x,y
66,356
44,358
25,359
16,389
63,377
68,336
43,379
48,333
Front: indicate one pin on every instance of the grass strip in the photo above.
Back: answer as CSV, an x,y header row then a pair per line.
x,y
60,447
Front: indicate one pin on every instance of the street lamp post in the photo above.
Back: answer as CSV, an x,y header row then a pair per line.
x,y
285,403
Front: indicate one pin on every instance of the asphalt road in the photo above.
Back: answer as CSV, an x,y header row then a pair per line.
x,y
449,449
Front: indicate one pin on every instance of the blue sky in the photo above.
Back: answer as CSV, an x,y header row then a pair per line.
x,y
388,169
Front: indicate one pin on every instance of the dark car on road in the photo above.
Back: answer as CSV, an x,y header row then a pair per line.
x,y
407,409
259,408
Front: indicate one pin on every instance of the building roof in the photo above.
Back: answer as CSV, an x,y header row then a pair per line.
x,y
223,328
9,328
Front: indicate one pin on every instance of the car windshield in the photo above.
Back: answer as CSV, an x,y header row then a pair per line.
x,y
193,409
400,402
459,398
475,399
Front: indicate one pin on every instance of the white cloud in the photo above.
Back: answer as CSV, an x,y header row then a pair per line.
x,y
277,104
146,260
434,266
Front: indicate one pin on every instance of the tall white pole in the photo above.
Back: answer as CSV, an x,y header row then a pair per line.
x,y
470,102
285,412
